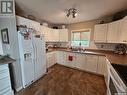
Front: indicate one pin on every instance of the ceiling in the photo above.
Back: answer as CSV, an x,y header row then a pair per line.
x,y
54,11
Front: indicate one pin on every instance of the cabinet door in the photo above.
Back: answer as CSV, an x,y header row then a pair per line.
x,y
61,58
80,61
113,31
51,59
36,26
100,33
101,65
46,31
63,35
106,73
22,21
55,35
123,35
70,63
91,63
5,88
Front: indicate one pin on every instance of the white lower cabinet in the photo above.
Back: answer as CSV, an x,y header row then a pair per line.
x,y
80,61
62,57
51,59
91,63
70,63
5,82
87,62
101,65
106,72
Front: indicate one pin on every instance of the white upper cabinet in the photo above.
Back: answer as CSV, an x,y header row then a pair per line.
x,y
22,21
63,35
29,23
123,34
113,32
47,33
55,35
36,26
51,35
100,33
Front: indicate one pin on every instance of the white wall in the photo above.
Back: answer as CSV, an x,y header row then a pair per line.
x,y
12,48
1,48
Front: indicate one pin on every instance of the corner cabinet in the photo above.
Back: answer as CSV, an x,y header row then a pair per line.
x,y
100,33
5,88
51,59
81,61
123,35
101,65
114,31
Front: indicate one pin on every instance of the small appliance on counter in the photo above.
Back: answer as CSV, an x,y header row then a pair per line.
x,y
121,49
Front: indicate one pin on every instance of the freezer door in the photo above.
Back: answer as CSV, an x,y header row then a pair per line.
x,y
26,61
40,57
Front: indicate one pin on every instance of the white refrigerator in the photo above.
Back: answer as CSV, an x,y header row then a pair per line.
x,y
32,57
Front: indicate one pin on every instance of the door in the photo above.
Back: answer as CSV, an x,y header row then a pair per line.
x,y
100,33
91,63
26,60
39,56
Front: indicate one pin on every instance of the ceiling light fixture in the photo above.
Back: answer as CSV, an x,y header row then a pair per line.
x,y
72,12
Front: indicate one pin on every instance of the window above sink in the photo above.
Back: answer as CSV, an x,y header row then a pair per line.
x,y
80,37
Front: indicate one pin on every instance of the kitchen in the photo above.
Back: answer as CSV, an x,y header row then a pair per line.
x,y
65,49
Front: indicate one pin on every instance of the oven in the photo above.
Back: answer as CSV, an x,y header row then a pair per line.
x,y
116,86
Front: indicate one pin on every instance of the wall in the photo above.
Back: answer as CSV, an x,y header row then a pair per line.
x,y
1,47
90,25
12,48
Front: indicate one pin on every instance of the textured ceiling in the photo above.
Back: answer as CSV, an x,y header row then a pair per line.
x,y
54,11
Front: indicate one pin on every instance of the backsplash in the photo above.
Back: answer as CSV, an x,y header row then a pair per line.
x,y
57,44
100,46
103,46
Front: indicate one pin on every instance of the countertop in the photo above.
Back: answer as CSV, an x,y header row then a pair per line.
x,y
111,56
7,60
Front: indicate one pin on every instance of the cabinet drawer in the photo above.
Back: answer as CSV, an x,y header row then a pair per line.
x,y
3,67
4,74
6,91
5,82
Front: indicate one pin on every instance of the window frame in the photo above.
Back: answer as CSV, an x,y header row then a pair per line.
x,y
81,30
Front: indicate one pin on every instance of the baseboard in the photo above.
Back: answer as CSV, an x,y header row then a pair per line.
x,y
82,70
18,89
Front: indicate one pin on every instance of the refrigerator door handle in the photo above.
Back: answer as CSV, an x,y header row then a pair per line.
x,y
36,53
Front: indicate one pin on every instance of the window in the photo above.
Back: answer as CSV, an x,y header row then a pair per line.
x,y
80,38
